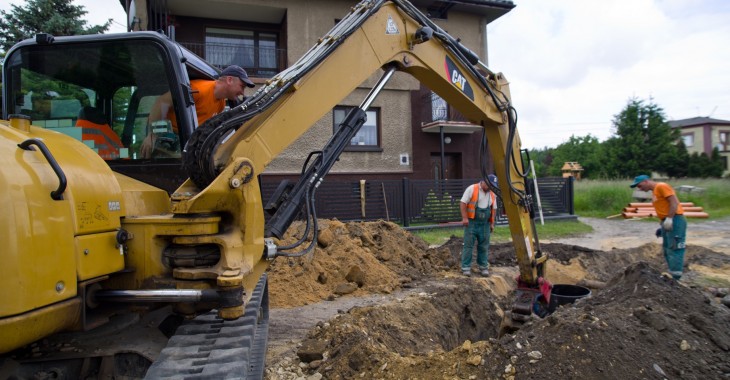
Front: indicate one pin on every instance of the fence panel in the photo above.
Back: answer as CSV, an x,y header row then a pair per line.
x,y
419,201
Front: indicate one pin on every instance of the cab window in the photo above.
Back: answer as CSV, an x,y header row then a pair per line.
x,y
99,93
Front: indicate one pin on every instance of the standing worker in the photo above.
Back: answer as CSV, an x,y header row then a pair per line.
x,y
478,209
673,224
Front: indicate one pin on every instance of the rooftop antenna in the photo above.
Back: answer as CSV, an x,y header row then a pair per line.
x,y
711,113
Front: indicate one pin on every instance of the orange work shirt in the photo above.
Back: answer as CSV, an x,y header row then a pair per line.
x,y
206,105
660,196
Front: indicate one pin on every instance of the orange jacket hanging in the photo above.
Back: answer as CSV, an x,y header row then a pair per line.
x,y
106,141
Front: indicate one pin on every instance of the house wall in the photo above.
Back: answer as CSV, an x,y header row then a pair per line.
x,y
303,24
699,139
716,142
706,138
400,132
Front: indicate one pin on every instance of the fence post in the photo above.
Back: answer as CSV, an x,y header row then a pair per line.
x,y
571,195
406,203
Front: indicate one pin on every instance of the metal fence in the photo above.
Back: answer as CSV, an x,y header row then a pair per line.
x,y
421,202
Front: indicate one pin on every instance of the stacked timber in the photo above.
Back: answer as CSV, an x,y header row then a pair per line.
x,y
646,210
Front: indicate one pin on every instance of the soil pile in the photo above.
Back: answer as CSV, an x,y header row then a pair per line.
x,y
643,325
637,324
352,259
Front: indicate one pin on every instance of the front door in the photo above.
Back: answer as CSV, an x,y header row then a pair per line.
x,y
451,164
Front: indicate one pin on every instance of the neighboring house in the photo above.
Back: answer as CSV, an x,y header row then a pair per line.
x,y
572,169
409,123
703,134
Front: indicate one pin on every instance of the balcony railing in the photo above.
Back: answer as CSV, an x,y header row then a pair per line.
x,y
441,111
258,62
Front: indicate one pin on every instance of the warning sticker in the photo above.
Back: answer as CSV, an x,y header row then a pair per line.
x,y
391,28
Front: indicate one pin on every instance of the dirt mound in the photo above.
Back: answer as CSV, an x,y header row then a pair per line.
x,y
639,324
644,325
352,259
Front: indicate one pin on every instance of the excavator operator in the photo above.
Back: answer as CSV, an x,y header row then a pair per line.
x,y
210,99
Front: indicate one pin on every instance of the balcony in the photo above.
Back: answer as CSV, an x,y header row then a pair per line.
x,y
258,62
445,119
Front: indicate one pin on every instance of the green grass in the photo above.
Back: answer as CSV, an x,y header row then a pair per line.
x,y
551,230
603,198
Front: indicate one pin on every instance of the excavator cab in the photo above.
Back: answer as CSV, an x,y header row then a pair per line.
x,y
99,89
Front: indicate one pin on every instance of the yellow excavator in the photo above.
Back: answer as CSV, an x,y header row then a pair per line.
x,y
104,274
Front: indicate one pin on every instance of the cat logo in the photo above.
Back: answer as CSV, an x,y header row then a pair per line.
x,y
391,27
454,75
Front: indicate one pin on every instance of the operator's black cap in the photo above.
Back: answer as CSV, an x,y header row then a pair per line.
x,y
238,72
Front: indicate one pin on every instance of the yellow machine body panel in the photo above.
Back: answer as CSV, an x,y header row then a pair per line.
x,y
44,238
97,255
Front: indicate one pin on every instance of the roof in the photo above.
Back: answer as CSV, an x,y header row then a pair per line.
x,y
694,121
490,9
572,166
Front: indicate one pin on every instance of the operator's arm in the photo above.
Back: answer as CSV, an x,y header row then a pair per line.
x,y
158,111
160,108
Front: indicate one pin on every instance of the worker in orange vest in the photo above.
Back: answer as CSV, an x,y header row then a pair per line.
x,y
673,224
478,209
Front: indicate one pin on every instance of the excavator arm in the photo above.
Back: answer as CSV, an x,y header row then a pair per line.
x,y
227,153
376,35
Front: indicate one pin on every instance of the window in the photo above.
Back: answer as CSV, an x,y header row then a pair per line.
x,y
92,92
257,52
724,141
688,139
368,136
439,108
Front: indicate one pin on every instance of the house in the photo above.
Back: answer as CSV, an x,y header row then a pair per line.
x,y
703,134
410,131
571,169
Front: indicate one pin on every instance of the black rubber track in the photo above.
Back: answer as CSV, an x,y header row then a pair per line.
x,y
208,347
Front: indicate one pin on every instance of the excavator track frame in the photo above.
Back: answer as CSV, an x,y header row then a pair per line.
x,y
208,347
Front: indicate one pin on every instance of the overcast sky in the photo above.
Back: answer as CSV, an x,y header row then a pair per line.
x,y
574,64
98,12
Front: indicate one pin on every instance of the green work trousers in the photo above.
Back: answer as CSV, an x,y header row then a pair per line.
x,y
477,231
673,245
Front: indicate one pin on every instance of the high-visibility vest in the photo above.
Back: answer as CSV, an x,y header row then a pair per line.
x,y
471,207
106,141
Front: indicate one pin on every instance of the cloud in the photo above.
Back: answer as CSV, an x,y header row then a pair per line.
x,y
573,65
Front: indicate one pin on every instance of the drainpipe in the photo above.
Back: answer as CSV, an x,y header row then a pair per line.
x,y
441,133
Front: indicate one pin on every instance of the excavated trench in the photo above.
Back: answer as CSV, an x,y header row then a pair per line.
x,y
438,318
408,313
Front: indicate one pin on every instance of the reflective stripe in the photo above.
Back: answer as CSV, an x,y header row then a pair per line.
x,y
106,141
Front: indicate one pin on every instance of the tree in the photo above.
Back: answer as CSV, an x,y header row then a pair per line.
x,y
586,150
57,17
542,158
679,165
698,163
643,141
717,164
703,166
